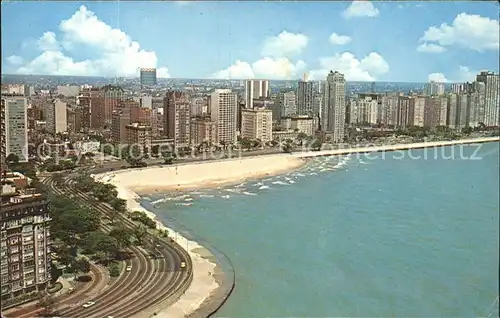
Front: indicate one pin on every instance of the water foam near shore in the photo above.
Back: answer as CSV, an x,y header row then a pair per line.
x,y
213,277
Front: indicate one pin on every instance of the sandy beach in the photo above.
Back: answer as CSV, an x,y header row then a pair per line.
x,y
212,174
196,175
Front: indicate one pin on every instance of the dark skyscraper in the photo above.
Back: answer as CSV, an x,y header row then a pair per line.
x,y
148,76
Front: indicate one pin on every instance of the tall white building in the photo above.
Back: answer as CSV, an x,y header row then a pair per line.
x,y
14,127
255,89
224,113
434,89
334,105
56,117
491,97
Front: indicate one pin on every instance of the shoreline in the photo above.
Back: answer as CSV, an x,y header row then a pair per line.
x,y
211,285
396,147
208,276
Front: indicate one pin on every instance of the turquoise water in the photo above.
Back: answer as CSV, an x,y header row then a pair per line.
x,y
358,236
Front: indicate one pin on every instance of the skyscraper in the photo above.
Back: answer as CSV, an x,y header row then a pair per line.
x,y
491,97
255,89
148,77
224,113
177,112
56,117
334,105
14,127
288,104
305,97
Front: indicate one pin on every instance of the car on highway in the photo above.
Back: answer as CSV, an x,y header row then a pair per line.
x,y
183,264
88,304
129,268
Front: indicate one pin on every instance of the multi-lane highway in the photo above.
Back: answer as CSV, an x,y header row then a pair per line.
x,y
151,281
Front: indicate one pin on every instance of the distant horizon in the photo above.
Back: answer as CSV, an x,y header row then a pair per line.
x,y
216,79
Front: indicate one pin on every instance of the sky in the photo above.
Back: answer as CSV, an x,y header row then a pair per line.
x,y
449,41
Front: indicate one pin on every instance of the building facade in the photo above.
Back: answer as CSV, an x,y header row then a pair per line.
x,y
257,123
14,124
148,77
57,117
334,105
255,89
25,239
177,112
224,113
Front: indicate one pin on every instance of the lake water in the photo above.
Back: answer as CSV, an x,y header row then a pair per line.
x,y
358,235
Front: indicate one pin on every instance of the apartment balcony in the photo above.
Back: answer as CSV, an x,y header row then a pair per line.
x,y
27,258
13,225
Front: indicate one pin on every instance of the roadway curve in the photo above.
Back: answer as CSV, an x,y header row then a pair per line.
x,y
149,283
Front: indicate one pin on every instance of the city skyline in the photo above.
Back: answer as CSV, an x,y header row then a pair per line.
x,y
449,42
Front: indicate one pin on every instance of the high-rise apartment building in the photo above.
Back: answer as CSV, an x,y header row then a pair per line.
x,y
405,112
57,117
364,109
202,130
257,123
305,97
288,104
334,105
14,133
434,89
177,112
255,89
491,82
138,136
418,105
25,238
224,113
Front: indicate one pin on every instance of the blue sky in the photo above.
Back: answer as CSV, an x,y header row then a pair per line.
x,y
384,41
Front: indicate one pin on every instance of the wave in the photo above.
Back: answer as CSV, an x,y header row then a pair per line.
x,y
264,187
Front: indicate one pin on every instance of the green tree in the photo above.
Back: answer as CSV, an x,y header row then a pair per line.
x,y
287,146
12,159
93,242
114,271
467,130
140,232
316,145
122,236
81,265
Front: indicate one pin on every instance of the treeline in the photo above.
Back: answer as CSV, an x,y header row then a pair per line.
x,y
77,229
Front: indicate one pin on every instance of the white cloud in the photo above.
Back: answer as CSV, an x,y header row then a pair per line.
x,y
465,74
267,67
48,42
360,9
337,39
15,60
437,77
467,30
462,75
275,63
431,48
366,69
118,54
285,44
